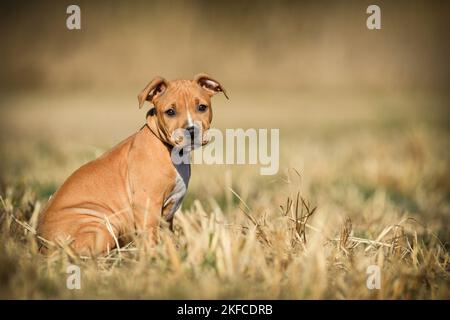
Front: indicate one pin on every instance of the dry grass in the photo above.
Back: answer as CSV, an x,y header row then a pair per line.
x,y
366,187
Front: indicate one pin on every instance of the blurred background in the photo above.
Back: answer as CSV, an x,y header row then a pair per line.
x,y
247,44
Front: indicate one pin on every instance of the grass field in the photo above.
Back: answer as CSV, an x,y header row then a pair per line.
x,y
364,180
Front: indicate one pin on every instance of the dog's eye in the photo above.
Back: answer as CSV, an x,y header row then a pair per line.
x,y
202,107
170,112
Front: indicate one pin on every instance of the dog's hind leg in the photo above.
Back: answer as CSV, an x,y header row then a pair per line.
x,y
93,239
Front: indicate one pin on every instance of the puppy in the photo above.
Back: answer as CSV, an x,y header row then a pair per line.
x,y
127,190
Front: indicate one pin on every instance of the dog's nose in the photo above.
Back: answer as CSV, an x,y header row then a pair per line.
x,y
191,131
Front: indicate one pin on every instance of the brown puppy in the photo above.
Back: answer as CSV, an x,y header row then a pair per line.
x,y
129,188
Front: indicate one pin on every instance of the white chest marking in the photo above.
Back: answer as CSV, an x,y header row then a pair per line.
x,y
178,192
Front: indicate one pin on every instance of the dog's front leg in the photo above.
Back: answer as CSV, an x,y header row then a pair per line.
x,y
147,217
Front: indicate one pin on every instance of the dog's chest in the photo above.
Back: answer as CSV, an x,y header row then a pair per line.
x,y
183,173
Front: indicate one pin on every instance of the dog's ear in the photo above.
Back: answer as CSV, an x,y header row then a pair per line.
x,y
155,88
209,84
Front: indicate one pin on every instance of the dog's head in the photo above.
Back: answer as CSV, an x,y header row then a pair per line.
x,y
182,108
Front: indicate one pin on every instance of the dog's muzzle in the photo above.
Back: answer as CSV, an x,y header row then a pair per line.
x,y
191,137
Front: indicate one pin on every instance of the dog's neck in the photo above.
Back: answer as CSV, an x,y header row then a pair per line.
x,y
157,135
